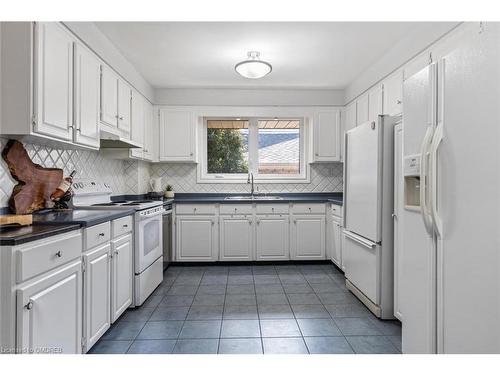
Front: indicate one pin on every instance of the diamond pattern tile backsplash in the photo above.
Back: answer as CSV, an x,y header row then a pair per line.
x,y
324,178
132,176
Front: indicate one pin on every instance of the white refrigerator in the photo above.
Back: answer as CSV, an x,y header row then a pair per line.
x,y
450,289
368,207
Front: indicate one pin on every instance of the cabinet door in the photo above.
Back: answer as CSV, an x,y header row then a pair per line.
x,y
375,103
272,239
138,125
196,238
96,294
362,109
177,135
54,78
327,136
109,97
236,238
398,216
308,237
149,133
393,94
350,117
121,275
124,101
336,244
87,97
49,312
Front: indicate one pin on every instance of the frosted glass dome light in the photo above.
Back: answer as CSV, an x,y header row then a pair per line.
x,y
253,67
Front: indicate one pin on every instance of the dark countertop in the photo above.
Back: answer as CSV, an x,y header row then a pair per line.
x,y
336,198
85,218
28,233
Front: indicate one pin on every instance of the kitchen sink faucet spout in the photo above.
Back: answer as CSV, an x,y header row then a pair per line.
x,y
250,180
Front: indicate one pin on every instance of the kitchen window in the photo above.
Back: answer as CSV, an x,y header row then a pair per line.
x,y
273,149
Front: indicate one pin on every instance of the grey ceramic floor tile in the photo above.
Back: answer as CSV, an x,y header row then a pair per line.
x,y
196,346
303,299
240,279
240,299
318,327
152,301
205,312
240,329
240,346
283,345
264,270
110,347
328,287
170,313
266,279
337,298
177,301
316,278
212,289
187,280
123,331
208,299
275,312
214,279
152,347
161,330
141,314
396,341
272,299
268,288
349,310
310,311
371,345
297,288
280,328
240,289
387,327
162,289
328,345
240,270
240,312
292,279
356,326
200,329
182,290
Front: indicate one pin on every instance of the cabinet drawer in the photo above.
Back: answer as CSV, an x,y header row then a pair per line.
x,y
313,208
269,209
121,226
195,209
336,210
97,235
236,209
42,256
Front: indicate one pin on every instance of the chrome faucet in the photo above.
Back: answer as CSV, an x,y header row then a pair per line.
x,y
250,180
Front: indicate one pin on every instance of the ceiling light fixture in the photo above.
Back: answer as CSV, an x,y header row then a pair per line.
x,y
253,67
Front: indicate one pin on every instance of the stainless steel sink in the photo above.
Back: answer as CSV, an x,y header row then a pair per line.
x,y
254,198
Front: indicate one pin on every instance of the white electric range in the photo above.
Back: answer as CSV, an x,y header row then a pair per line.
x,y
148,241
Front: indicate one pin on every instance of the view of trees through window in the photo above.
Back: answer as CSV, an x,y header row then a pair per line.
x,y
277,151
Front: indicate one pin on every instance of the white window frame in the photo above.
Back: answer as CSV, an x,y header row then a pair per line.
x,y
303,177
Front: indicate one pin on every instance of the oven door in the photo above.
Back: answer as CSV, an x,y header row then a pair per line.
x,y
148,244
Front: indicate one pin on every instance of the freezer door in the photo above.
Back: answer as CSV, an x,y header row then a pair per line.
x,y
363,180
468,165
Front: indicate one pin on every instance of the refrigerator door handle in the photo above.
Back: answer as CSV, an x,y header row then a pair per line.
x,y
359,239
424,178
436,141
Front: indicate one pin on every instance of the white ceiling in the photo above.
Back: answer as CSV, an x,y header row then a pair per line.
x,y
304,55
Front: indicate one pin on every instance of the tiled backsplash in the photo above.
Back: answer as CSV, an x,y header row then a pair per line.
x,y
324,178
132,176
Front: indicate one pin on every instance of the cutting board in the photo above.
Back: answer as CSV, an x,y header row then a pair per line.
x,y
16,219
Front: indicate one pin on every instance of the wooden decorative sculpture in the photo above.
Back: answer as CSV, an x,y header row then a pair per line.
x,y
35,183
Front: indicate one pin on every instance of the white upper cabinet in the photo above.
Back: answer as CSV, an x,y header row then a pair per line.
x,y
151,142
54,76
124,102
393,94
138,125
87,97
350,117
177,135
375,99
326,135
109,97
362,109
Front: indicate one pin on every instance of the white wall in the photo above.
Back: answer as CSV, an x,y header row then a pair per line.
x,y
248,97
100,44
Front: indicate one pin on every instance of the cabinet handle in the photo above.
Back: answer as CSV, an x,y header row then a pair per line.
x,y
59,254
191,154
398,101
101,234
295,221
29,305
121,117
213,222
250,222
116,252
258,222
317,154
125,225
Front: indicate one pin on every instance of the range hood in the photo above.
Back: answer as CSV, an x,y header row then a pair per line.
x,y
112,140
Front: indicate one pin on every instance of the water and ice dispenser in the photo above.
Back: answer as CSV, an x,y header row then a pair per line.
x,y
411,172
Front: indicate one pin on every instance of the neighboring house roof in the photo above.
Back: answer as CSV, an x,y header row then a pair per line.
x,y
281,148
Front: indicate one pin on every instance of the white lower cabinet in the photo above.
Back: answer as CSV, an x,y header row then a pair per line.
x,y
236,238
196,238
49,312
307,237
335,243
96,294
121,275
272,240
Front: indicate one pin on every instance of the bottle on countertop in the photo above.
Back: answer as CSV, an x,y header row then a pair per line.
x,y
63,187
